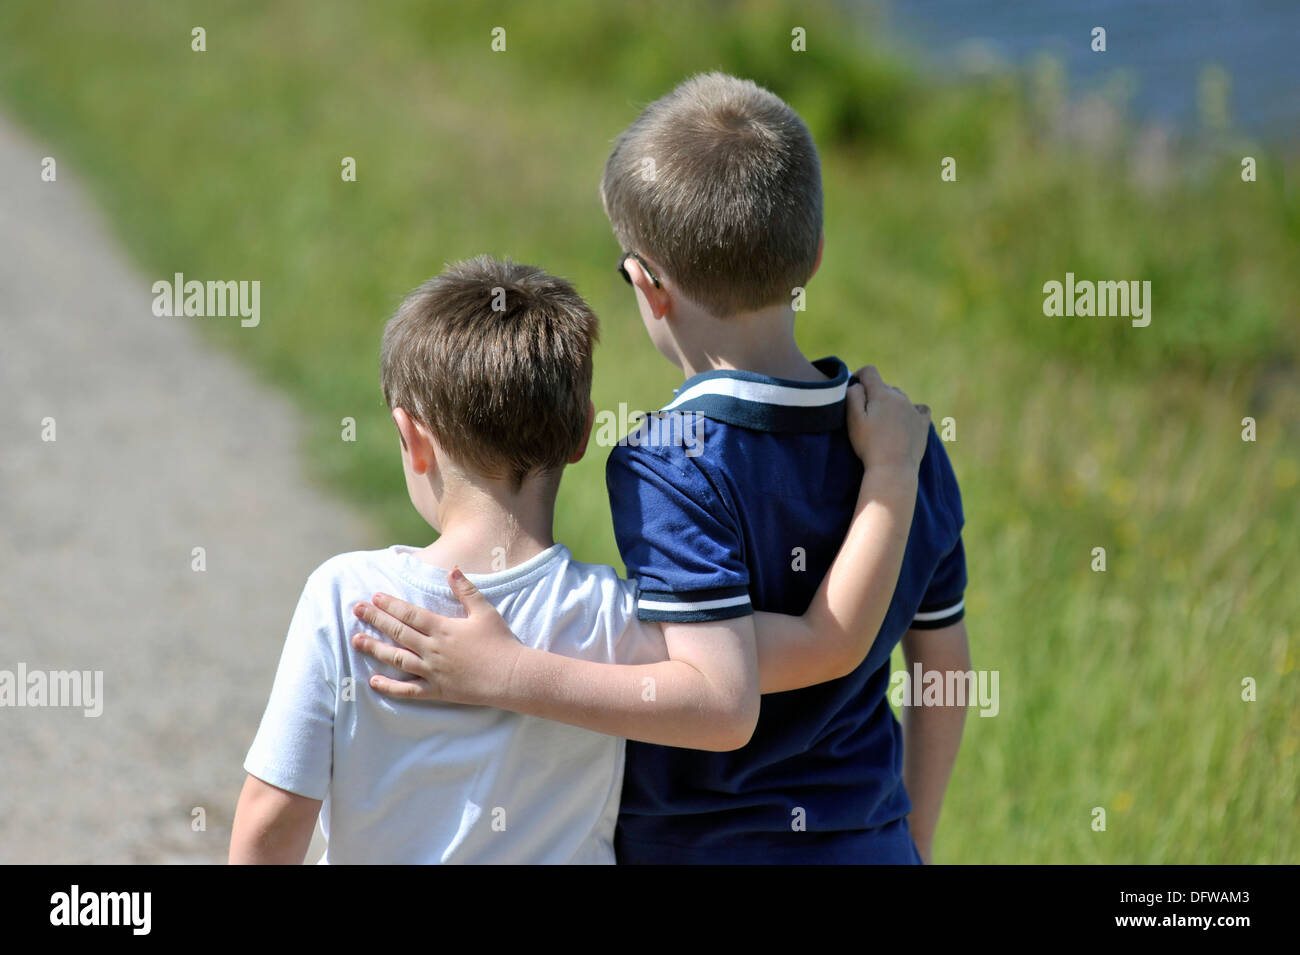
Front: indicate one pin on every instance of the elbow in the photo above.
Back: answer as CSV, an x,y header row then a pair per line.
x,y
244,848
846,665
849,657
735,723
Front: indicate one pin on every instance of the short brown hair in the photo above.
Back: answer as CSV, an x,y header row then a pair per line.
x,y
494,358
733,211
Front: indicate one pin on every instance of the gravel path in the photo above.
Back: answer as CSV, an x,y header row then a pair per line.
x,y
162,445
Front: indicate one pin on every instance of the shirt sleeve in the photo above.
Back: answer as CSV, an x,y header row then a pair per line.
x,y
679,542
944,603
294,746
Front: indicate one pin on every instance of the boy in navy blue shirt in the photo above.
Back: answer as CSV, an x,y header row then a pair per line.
x,y
726,234
715,194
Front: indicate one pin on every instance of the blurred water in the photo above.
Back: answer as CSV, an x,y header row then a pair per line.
x,y
1162,44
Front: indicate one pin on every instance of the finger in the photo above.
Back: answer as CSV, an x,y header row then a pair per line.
x,y
387,653
417,618
870,379
877,387
390,626
470,597
856,396
403,689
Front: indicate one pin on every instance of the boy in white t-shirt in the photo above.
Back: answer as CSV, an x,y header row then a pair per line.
x,y
487,371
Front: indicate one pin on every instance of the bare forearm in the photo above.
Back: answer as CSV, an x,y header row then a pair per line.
x,y
833,636
931,739
670,703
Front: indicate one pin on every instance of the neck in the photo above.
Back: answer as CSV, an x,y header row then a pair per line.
x,y
487,529
761,342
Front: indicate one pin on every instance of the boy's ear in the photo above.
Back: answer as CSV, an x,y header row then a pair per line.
x,y
586,434
415,442
821,247
658,298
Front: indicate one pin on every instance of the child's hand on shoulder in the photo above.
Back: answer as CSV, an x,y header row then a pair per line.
x,y
886,429
454,659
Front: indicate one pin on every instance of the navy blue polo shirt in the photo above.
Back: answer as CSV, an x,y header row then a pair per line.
x,y
733,498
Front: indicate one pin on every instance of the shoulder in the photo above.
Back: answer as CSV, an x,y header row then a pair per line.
x,y
660,452
657,492
347,572
598,586
352,563
938,481
596,610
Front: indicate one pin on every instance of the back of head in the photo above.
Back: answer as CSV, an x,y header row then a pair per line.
x,y
719,182
494,358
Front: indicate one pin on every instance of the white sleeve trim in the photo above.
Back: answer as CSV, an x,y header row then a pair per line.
x,y
672,606
940,614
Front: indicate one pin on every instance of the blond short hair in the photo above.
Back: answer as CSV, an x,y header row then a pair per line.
x,y
732,206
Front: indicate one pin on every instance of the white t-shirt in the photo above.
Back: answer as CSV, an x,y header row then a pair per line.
x,y
418,782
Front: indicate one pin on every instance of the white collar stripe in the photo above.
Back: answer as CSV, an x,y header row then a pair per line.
x,y
763,393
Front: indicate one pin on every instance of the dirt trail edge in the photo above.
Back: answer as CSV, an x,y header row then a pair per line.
x,y
163,445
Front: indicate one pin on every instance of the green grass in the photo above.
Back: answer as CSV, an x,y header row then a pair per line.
x,y
1119,690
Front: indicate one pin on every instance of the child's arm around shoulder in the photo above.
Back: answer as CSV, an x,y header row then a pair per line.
x,y
833,636
706,695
